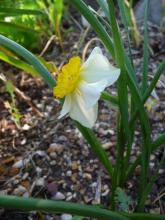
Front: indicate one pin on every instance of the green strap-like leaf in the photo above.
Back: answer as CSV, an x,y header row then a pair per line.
x,y
30,204
30,58
18,12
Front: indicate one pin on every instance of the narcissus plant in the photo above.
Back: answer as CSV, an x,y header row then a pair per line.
x,y
82,83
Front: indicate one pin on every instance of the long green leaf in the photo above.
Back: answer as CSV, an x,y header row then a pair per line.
x,y
30,204
30,58
123,128
18,12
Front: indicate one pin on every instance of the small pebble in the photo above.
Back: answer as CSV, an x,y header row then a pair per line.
x,y
53,162
25,176
66,217
15,182
58,148
69,173
152,157
107,145
38,170
161,171
53,155
25,127
59,196
40,182
152,164
69,196
20,190
74,165
21,163
87,176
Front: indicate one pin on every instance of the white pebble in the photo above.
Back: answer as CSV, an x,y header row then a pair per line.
x,y
66,217
59,196
40,182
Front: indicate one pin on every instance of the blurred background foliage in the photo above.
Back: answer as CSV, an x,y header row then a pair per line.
x,y
30,22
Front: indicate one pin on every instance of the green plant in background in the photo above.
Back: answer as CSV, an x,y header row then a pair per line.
x,y
124,202
26,21
20,23
129,113
54,10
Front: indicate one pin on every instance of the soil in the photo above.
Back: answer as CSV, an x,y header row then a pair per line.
x,y
48,158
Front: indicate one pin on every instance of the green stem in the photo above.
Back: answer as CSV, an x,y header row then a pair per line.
x,y
118,170
108,97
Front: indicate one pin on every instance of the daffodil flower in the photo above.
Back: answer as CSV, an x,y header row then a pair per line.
x,y
82,83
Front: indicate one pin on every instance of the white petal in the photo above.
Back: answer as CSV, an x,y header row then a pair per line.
x,y
97,68
66,106
91,92
79,112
